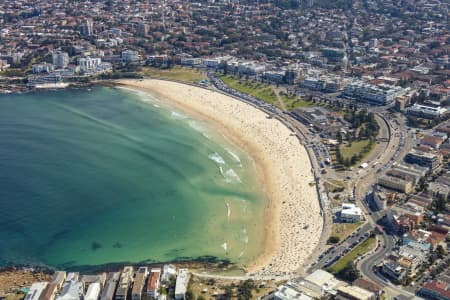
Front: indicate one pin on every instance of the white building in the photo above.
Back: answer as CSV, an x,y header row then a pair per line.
x,y
181,284
380,94
350,213
36,290
72,290
190,61
42,68
288,291
130,56
89,64
212,62
168,271
428,112
60,59
93,291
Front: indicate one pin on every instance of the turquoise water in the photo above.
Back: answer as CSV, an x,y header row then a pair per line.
x,y
112,175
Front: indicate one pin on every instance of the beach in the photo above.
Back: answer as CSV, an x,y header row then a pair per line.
x,y
293,223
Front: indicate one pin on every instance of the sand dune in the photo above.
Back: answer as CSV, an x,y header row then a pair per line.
x,y
280,159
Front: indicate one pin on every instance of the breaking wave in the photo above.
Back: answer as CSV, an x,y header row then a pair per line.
x,y
231,176
217,158
177,115
234,155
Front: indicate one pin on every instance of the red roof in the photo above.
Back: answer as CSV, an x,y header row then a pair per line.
x,y
152,282
438,287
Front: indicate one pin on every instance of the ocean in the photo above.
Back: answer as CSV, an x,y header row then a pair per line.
x,y
104,176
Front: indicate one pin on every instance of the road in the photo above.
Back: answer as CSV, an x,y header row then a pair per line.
x,y
398,144
393,143
339,250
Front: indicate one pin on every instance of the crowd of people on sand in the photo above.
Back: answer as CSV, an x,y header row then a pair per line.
x,y
294,223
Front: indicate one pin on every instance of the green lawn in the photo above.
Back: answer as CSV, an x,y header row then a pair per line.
x,y
359,250
295,102
259,90
333,185
175,73
342,230
264,92
356,148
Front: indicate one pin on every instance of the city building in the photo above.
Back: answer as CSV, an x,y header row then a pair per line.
x,y
89,64
354,293
139,281
126,279
408,171
434,142
427,112
42,68
142,29
395,183
93,291
168,272
393,271
36,290
181,284
334,54
154,283
58,279
430,160
72,289
381,94
435,290
88,279
350,213
44,79
50,292
288,291
110,286
60,59
87,28
130,56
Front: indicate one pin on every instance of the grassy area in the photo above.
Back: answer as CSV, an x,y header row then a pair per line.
x,y
210,288
342,230
12,73
334,186
359,250
356,148
259,90
18,296
175,73
295,102
264,92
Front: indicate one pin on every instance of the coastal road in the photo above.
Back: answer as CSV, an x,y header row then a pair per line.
x,y
398,144
304,137
339,250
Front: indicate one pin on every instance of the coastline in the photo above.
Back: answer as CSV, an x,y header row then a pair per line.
x,y
292,217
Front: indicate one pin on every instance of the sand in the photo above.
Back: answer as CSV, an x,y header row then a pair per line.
x,y
293,223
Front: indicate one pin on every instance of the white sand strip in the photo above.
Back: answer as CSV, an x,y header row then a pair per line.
x,y
280,159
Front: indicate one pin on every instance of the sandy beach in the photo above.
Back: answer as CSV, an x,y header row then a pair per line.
x,y
292,220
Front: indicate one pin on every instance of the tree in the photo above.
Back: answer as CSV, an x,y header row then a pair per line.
x,y
349,273
228,292
339,137
439,204
440,251
245,289
189,295
333,240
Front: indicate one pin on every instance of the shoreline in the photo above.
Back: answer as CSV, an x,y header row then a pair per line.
x,y
292,226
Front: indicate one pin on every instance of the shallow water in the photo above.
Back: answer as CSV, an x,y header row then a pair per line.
x,y
112,175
